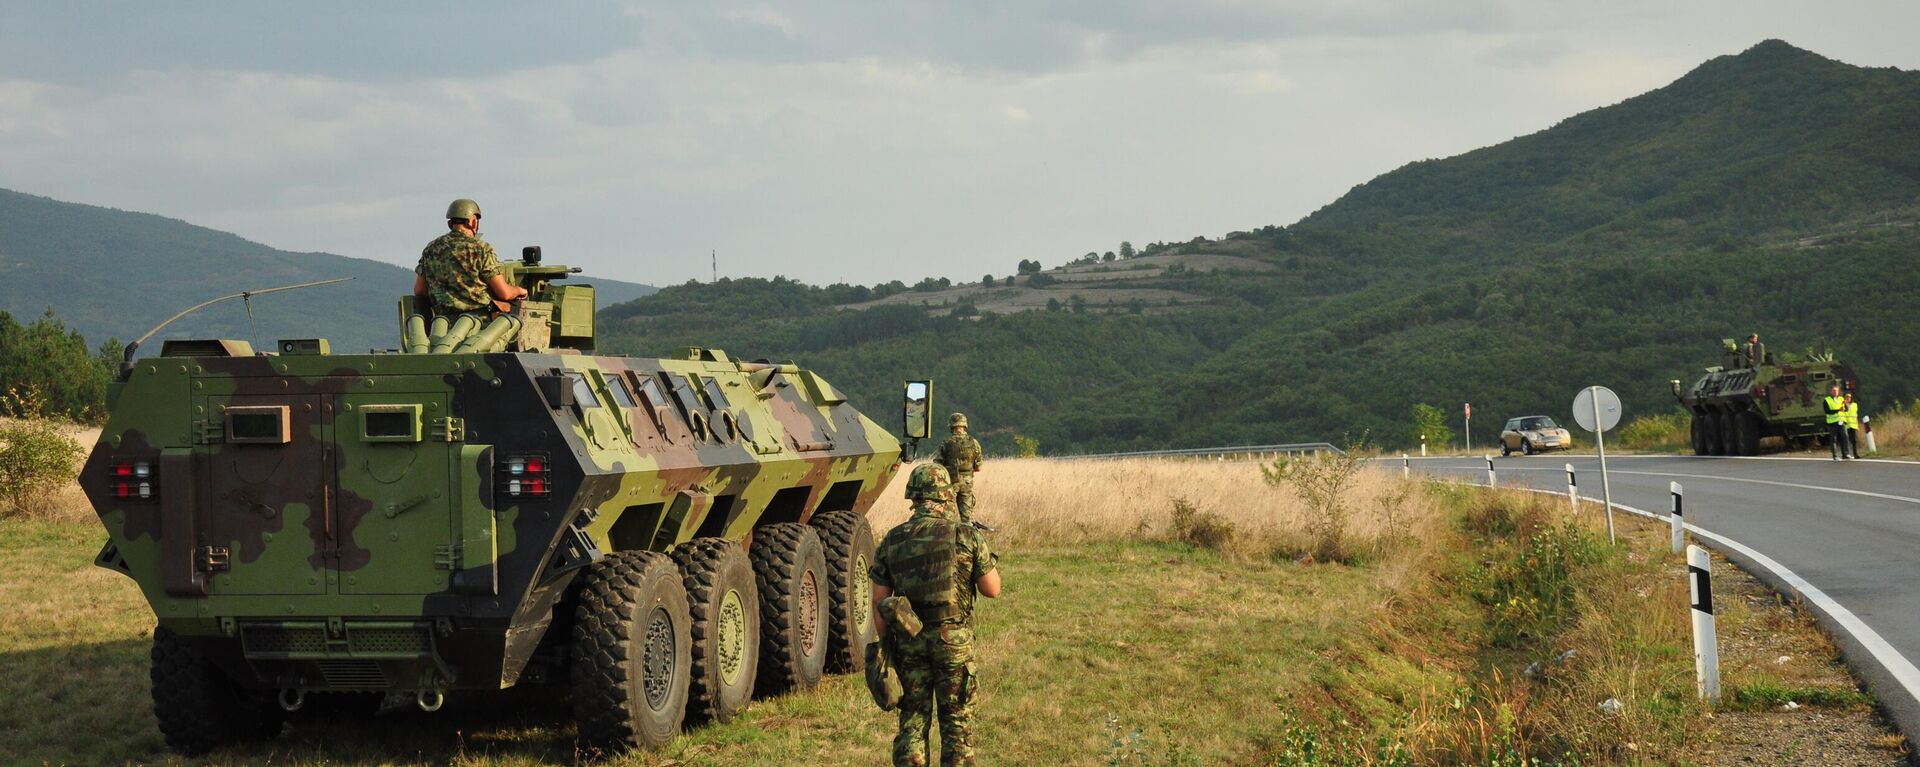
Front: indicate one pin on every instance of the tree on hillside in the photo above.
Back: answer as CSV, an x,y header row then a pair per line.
x,y
1053,304
987,281
1040,280
1009,281
1029,267
1126,249
51,363
1431,422
1107,256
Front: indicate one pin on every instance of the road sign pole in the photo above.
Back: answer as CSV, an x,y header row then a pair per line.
x,y
1469,427
1600,444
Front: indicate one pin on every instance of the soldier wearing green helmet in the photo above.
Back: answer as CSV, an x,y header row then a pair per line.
x,y
960,454
458,271
938,564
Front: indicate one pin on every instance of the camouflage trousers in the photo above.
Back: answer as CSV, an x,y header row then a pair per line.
x,y
963,498
937,678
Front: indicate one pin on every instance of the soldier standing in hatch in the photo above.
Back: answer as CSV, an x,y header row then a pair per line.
x,y
1756,353
458,271
938,564
960,454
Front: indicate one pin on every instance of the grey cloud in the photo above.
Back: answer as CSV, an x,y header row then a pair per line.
x,y
90,40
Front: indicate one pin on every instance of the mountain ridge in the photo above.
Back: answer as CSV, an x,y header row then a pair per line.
x,y
87,263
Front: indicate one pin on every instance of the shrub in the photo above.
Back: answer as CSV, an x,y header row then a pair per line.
x,y
36,460
1322,481
1657,432
1200,529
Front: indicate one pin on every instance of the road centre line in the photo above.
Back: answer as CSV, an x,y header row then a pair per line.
x,y
1631,456
1897,665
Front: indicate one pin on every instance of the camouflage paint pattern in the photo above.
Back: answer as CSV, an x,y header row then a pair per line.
x,y
344,521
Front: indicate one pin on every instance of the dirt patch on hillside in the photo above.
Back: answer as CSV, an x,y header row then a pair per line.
x,y
1107,287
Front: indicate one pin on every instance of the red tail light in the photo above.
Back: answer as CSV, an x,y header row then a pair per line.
x,y
524,476
134,481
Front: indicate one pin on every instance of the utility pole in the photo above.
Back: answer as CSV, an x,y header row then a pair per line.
x,y
715,254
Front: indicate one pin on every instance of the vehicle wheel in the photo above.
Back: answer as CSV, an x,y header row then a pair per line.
x,y
1504,450
1712,429
1748,431
725,607
632,652
792,568
1729,433
1526,447
848,539
199,707
1697,434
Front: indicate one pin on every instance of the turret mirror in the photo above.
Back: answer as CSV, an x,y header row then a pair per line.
x,y
919,409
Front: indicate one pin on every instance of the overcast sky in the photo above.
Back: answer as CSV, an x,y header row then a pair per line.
x,y
828,140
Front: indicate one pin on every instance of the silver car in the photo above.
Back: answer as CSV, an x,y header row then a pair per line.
x,y
1531,434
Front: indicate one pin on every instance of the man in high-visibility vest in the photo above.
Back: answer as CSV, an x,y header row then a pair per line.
x,y
1836,410
1853,425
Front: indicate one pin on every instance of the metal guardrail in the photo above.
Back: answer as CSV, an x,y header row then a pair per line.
x,y
1295,448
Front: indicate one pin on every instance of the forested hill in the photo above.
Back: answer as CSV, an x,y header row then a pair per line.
x,y
1773,191
114,274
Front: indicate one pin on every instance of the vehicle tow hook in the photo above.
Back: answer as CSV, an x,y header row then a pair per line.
x,y
430,700
292,698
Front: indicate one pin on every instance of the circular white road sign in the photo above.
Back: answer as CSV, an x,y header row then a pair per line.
x,y
1583,408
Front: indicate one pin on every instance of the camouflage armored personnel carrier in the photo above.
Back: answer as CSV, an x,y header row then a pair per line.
x,y
1753,396
492,506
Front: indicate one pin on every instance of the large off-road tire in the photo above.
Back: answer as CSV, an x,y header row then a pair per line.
x,y
724,600
199,707
848,539
1730,427
1716,434
1746,431
632,653
1697,433
792,568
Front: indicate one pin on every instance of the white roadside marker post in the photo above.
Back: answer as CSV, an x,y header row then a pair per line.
x,y
1490,470
1423,446
1573,490
1866,425
1406,467
1706,650
1679,521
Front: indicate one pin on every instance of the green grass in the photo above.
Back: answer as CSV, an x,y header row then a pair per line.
x,y
1123,652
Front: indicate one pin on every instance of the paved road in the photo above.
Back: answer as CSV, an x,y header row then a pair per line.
x,y
1849,529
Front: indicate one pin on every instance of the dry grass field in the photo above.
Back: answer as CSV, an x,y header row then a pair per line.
x,y
1156,613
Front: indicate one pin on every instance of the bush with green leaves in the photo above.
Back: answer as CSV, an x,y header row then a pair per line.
x,y
36,460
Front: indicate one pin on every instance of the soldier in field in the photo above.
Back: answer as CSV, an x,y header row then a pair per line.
x,y
960,455
933,565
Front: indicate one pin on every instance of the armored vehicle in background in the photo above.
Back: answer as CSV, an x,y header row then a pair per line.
x,y
1752,397
493,505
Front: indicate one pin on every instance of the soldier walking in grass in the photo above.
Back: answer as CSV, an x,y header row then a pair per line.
x,y
928,570
960,455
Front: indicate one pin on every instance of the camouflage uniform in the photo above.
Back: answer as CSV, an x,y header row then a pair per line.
x,y
960,454
457,267
934,561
